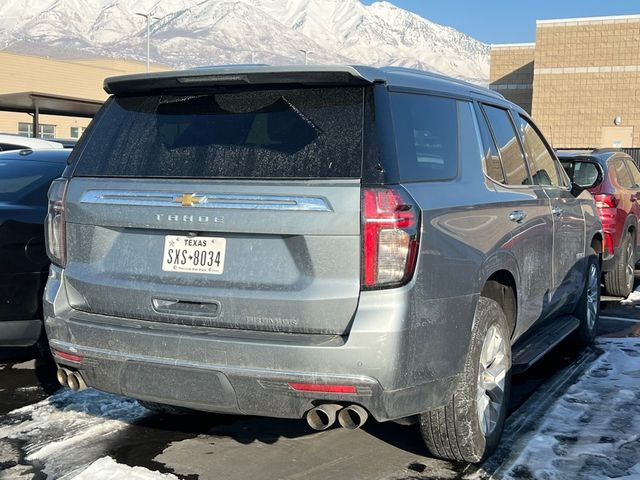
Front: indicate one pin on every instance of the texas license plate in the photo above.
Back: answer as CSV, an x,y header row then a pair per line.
x,y
194,254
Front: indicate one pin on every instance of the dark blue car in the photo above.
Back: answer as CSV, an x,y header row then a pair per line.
x,y
25,176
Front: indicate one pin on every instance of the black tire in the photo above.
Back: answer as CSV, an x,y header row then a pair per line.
x,y
165,409
619,281
588,308
454,432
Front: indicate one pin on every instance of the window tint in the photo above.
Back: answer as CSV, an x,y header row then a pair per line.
x,y
506,138
11,146
635,173
583,174
284,133
541,163
493,165
426,130
21,179
622,174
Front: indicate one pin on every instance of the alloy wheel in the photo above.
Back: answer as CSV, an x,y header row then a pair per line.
x,y
491,380
592,296
630,267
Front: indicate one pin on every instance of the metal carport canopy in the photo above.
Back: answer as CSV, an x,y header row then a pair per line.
x,y
37,103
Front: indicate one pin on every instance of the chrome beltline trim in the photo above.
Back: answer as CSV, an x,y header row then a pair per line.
x,y
207,201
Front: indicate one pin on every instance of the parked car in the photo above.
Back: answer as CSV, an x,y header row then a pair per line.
x,y
18,142
66,142
25,176
613,179
319,242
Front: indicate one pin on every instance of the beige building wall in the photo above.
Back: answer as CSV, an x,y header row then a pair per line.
x,y
511,72
73,78
587,73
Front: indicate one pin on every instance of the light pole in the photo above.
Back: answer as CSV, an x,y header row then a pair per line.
x,y
148,16
306,55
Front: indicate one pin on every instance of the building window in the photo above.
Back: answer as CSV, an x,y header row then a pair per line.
x,y
44,131
76,132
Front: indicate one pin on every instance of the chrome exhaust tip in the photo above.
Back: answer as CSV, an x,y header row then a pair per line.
x,y
61,376
75,381
352,417
323,416
72,381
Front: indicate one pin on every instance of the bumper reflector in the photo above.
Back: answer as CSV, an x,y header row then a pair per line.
x,y
67,356
315,387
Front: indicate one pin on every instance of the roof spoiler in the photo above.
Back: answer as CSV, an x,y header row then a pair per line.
x,y
236,75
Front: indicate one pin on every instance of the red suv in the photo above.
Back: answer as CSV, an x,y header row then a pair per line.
x,y
613,179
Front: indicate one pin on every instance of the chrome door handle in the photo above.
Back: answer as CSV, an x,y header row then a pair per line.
x,y
517,216
557,211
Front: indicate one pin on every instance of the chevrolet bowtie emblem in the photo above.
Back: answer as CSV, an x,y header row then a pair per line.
x,y
189,199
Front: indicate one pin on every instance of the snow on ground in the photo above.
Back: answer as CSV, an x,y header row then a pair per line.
x,y
28,365
593,431
66,432
107,468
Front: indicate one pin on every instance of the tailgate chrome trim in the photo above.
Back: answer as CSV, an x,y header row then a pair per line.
x,y
207,201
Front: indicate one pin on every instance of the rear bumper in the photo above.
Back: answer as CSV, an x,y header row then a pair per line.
x,y
20,308
238,372
21,295
20,333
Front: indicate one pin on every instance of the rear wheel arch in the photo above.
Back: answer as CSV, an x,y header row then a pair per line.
x,y
632,229
501,287
597,244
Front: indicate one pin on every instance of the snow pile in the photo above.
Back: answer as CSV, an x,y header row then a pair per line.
x,y
593,431
207,32
66,432
107,468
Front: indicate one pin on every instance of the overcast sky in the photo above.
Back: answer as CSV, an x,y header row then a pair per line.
x,y
510,21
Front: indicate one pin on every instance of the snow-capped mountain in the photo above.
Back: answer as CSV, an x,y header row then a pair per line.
x,y
189,33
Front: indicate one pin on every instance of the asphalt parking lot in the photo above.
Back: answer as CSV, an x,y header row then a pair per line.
x,y
46,432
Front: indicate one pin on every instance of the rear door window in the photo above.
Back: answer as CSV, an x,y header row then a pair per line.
x,y
272,133
493,165
506,138
541,162
635,173
622,174
426,130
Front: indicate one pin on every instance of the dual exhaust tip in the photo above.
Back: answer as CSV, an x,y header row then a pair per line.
x,y
71,379
323,416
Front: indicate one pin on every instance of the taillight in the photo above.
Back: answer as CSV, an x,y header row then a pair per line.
x,y
606,200
390,222
54,224
608,243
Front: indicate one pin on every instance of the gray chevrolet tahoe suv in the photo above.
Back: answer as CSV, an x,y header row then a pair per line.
x,y
319,242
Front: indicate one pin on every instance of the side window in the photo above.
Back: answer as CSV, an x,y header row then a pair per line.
x,y
426,130
544,170
635,173
493,165
585,174
506,138
622,174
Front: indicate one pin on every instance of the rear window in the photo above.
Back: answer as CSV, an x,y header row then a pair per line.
x,y
20,179
284,133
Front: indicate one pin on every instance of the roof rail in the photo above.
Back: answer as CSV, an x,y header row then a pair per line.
x,y
606,150
424,73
